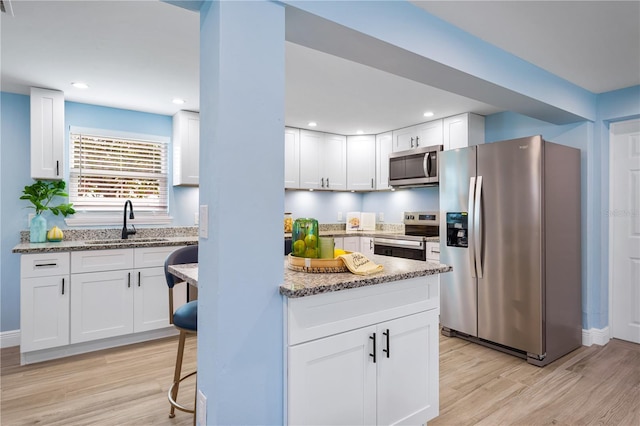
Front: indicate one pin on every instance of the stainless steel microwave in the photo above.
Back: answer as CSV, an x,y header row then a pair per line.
x,y
414,167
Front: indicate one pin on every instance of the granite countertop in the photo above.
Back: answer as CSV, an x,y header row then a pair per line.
x,y
110,238
300,284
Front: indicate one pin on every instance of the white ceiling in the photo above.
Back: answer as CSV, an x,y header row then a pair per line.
x,y
140,55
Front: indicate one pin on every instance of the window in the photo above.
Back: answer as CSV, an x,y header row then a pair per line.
x,y
105,171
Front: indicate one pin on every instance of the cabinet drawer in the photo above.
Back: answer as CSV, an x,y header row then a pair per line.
x,y
44,264
101,260
149,257
322,315
433,252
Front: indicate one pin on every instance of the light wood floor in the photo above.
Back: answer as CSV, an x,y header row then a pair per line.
x,y
128,386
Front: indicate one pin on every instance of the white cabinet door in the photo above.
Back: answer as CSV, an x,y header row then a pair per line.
x,y
310,145
361,163
332,381
463,130
334,162
151,300
456,132
47,134
429,134
291,158
44,312
366,246
408,369
338,242
101,305
384,147
186,148
404,139
351,244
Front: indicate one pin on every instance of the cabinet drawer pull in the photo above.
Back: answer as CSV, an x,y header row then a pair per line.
x,y
327,182
57,168
139,279
45,265
128,279
417,141
371,183
411,142
323,182
373,355
63,286
386,334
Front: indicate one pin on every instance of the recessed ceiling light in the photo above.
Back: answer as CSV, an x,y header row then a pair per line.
x,y
178,101
360,132
312,124
428,114
80,85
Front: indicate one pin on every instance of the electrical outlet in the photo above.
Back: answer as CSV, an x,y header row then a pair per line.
x,y
381,217
339,216
201,409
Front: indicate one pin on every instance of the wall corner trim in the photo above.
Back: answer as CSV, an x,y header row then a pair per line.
x,y
595,336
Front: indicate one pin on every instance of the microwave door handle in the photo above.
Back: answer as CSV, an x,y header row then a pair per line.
x,y
470,222
477,227
426,165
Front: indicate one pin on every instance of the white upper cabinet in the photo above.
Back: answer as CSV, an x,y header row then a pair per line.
x,y
47,134
418,136
361,163
186,148
384,147
291,158
463,130
323,161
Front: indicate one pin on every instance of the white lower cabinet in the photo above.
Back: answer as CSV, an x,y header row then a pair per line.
x,y
101,305
351,244
44,301
366,246
124,292
364,356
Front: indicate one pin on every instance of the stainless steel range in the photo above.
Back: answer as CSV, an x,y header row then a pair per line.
x,y
418,226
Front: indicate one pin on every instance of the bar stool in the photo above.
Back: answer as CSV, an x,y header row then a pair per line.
x,y
185,319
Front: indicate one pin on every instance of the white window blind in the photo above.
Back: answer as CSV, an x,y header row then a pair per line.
x,y
107,171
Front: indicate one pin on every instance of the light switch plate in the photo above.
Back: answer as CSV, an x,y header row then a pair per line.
x,y
204,221
339,216
381,217
201,409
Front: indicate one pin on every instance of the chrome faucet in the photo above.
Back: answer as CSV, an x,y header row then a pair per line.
x,y
126,232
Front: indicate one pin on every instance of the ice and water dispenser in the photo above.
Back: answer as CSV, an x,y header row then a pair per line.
x,y
457,229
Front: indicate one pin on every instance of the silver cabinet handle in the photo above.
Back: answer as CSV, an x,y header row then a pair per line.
x,y
327,182
323,182
411,142
417,141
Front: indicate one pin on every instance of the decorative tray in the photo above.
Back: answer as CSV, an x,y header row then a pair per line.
x,y
316,266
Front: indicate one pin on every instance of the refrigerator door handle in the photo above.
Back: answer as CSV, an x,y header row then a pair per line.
x,y
470,224
477,228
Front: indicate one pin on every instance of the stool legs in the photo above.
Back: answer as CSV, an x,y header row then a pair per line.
x,y
178,371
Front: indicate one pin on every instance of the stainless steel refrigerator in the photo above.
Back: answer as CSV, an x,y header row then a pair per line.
x,y
510,227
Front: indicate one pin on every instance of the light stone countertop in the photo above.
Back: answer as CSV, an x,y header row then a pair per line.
x,y
301,284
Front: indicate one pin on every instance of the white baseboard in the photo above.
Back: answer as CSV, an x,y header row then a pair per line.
x,y
9,338
595,336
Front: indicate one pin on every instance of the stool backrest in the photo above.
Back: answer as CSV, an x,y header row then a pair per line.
x,y
188,254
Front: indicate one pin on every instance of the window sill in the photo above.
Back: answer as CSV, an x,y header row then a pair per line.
x,y
98,219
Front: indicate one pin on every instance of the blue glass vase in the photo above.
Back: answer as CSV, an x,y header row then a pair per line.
x,y
38,229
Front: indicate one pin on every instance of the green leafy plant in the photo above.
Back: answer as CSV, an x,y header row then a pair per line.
x,y
41,193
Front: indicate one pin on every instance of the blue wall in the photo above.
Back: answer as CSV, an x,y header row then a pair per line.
x,y
15,174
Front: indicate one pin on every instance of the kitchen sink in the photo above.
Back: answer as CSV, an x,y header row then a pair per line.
x,y
123,241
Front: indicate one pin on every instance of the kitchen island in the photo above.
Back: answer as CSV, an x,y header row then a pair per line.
x,y
363,349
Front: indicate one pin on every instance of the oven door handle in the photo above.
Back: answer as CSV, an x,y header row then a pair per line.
x,y
398,243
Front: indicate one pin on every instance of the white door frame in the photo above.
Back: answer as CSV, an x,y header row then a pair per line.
x,y
610,224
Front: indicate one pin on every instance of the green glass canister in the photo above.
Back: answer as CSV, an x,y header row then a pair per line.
x,y
305,238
